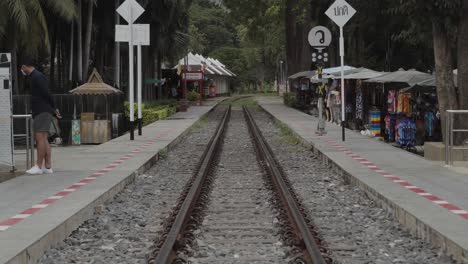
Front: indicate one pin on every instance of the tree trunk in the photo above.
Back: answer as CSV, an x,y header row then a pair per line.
x,y
80,43
297,27
463,56
117,50
462,78
89,30
443,55
53,54
72,52
14,63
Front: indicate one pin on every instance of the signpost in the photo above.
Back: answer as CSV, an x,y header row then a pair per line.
x,y
134,34
320,38
341,12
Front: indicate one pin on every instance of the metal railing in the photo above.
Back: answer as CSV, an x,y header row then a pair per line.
x,y
28,137
449,135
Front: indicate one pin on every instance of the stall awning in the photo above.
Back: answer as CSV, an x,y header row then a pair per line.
x,y
410,77
362,74
95,86
304,74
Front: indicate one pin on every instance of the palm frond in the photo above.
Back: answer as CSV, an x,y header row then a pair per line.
x,y
64,8
17,10
40,20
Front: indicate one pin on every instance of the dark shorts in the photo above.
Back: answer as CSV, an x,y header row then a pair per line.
x,y
44,122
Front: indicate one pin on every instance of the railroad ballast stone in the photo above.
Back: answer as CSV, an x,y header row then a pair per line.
x,y
127,226
354,227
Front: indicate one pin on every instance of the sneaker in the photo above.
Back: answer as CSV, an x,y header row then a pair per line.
x,y
35,170
47,171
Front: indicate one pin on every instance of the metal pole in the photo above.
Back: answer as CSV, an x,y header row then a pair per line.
x,y
447,134
451,139
131,78
140,114
342,53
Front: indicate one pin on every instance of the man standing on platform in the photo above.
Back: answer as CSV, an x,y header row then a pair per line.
x,y
43,112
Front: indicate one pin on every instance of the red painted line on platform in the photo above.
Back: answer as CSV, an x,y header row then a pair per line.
x,y
405,184
6,224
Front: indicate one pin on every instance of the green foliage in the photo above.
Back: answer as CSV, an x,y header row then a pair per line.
x,y
193,96
287,134
153,111
248,101
247,36
289,99
27,20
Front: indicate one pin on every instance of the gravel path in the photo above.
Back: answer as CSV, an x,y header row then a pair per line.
x,y
240,222
356,230
125,229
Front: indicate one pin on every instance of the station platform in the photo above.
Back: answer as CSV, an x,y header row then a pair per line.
x,y
428,199
39,211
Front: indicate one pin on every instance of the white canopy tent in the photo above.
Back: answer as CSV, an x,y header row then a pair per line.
x,y
410,77
362,74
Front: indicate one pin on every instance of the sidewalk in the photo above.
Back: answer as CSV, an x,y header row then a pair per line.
x,y
39,211
427,198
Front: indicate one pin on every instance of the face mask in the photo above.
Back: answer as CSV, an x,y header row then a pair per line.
x,y
24,73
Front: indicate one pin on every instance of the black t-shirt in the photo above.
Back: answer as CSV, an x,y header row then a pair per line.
x,y
41,100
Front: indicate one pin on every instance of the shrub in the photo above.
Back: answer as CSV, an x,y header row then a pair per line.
x,y
151,114
289,99
193,96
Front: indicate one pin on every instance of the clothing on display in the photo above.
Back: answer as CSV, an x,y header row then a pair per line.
x,y
375,119
429,119
359,102
392,101
406,132
403,103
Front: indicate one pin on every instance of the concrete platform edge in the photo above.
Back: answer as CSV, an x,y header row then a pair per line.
x,y
414,225
35,251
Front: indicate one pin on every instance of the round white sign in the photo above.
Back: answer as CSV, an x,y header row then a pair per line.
x,y
320,37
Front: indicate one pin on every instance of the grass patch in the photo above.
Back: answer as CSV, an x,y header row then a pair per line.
x,y
249,102
199,124
163,153
286,134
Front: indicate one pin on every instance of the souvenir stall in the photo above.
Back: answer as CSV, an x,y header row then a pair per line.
x,y
360,100
398,122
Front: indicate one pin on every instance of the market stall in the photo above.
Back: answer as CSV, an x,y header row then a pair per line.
x,y
408,116
93,128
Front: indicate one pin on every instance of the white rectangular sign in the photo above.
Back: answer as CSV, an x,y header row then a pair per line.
x,y
193,76
6,126
141,34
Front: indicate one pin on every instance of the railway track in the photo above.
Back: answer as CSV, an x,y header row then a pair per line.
x,y
239,206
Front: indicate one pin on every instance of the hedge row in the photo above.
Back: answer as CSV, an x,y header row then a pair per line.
x,y
151,115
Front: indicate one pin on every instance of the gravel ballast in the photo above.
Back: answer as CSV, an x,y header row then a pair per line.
x,y
123,230
355,229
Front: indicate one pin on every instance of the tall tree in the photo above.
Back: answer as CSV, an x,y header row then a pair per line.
x,y
79,40
89,33
443,16
23,24
463,55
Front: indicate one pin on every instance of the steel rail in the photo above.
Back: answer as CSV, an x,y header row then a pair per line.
x,y
167,251
310,247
